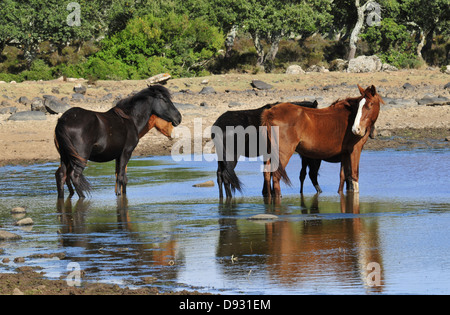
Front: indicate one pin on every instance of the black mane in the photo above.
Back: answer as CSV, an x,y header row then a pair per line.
x,y
153,91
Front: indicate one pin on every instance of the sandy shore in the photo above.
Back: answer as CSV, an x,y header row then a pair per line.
x,y
399,125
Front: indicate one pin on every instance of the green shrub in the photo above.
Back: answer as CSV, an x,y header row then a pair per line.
x,y
39,70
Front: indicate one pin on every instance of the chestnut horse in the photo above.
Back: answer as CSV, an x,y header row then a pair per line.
x,y
226,162
82,135
341,130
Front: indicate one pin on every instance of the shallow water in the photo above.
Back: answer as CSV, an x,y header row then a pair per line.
x,y
392,238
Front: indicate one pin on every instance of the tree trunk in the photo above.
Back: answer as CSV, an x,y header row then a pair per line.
x,y
357,29
259,48
229,41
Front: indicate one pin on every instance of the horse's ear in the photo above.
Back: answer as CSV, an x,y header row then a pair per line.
x,y
373,90
361,90
315,104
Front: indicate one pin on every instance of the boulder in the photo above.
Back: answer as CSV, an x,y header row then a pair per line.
x,y
260,85
317,68
55,106
8,110
161,78
79,89
338,65
24,100
37,104
364,64
27,115
388,67
431,100
408,86
208,90
77,97
447,69
294,69
23,222
5,235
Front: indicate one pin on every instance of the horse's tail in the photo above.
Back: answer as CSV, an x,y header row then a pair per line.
x,y
228,173
266,121
70,157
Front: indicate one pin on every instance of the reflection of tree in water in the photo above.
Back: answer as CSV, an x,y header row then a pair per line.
x,y
123,247
296,253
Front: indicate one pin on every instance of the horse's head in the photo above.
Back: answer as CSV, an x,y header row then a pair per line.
x,y
367,111
163,106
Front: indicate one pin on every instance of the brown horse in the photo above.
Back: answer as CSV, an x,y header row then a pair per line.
x,y
341,130
82,135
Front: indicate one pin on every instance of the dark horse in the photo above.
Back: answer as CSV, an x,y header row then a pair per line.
x,y
82,135
341,129
227,160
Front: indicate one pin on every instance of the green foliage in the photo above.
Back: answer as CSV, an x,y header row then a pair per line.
x,y
393,43
172,44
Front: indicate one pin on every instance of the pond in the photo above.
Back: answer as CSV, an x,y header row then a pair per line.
x,y
391,238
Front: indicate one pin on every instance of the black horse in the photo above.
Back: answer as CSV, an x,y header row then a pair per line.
x,y
82,135
227,162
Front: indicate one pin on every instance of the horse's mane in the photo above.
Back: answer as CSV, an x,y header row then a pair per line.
x,y
153,91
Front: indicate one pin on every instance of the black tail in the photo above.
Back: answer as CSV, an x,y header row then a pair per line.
x,y
230,176
70,157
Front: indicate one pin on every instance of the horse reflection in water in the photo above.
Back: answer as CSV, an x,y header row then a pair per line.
x,y
315,247
77,231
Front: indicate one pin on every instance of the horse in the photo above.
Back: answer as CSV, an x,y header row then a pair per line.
x,y
82,135
250,148
314,166
341,129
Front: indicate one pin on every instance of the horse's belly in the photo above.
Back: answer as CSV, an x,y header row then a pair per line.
x,y
318,150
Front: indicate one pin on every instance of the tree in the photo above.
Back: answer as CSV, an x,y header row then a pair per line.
x,y
359,24
271,20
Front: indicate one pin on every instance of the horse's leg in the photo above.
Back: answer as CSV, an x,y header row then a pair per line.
x,y
61,177
341,180
121,171
354,161
220,168
283,160
303,172
267,189
314,167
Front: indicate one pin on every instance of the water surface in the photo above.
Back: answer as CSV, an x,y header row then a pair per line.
x,y
392,238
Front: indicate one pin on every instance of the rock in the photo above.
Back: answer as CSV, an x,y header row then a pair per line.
x,y
18,210
204,104
23,222
24,100
408,86
8,110
161,78
205,82
5,260
55,90
260,85
294,69
55,106
5,235
19,260
400,101
364,64
234,104
106,98
447,86
1,82
27,115
447,69
208,183
317,68
388,67
431,100
77,97
263,216
338,65
17,292
37,104
79,89
207,90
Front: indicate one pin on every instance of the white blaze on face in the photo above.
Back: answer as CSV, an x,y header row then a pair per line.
x,y
356,129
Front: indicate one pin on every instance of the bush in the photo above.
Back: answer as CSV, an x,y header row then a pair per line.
x,y
172,44
39,70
